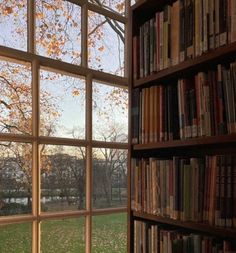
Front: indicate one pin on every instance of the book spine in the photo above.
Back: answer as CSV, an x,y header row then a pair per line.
x,y
141,50
218,182
175,26
182,31
135,116
234,191
228,181
223,22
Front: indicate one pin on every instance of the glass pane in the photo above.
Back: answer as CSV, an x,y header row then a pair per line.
x,y
15,98
62,236
109,177
114,5
110,113
106,44
62,178
16,238
58,30
15,178
109,233
13,24
62,105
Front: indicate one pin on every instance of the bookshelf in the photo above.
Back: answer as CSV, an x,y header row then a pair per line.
x,y
216,147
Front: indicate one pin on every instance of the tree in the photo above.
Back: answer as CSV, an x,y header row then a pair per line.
x,y
58,36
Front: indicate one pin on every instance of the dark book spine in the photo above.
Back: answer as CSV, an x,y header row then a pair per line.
x,y
223,22
141,51
136,57
175,113
234,191
182,30
229,204
135,116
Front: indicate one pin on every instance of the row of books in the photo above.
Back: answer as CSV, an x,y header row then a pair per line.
x,y
183,30
151,238
204,105
187,189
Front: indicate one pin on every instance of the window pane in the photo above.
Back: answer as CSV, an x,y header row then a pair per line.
x,y
110,113
13,24
15,178
106,44
62,236
62,178
109,178
16,238
114,5
109,233
15,98
58,30
62,105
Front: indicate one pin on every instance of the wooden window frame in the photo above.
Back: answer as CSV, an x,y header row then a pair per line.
x,y
35,139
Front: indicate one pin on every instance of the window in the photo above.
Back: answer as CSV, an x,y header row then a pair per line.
x,y
63,126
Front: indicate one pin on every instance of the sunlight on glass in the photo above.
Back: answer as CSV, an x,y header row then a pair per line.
x,y
110,113
62,178
105,44
15,238
62,105
15,98
15,178
13,24
112,5
109,233
109,178
58,30
63,236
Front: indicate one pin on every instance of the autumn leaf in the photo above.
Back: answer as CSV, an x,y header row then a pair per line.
x,y
101,49
75,93
8,10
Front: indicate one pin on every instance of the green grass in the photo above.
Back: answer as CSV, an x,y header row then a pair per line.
x,y
67,236
15,238
109,234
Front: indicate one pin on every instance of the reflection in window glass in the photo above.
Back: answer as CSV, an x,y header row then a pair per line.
x,y
13,24
109,233
109,178
15,238
15,178
110,113
106,44
62,105
58,30
62,236
62,178
114,5
15,98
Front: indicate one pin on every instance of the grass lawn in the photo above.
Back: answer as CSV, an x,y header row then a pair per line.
x,y
67,236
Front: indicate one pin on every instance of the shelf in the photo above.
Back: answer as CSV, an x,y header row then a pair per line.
x,y
200,141
217,231
147,6
187,66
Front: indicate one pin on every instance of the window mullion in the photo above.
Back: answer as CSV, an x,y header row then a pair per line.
x,y
89,168
35,165
31,26
84,35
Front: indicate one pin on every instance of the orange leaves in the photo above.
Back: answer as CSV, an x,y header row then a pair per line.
x,y
8,10
120,7
75,93
101,49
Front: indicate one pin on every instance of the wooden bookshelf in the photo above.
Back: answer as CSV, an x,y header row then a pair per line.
x,y
225,53
196,142
221,144
197,227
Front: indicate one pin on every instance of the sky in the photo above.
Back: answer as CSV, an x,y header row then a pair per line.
x,y
64,88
